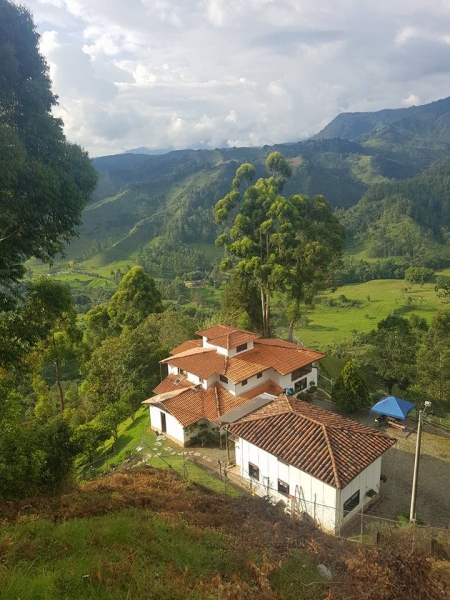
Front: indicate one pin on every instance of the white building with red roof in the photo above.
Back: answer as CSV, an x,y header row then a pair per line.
x,y
315,461
225,369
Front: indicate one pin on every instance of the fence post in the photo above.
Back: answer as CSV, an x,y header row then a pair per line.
x,y
362,523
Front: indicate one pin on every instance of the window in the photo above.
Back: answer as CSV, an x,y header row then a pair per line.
x,y
259,375
241,348
253,471
283,488
300,385
244,381
351,503
301,372
223,378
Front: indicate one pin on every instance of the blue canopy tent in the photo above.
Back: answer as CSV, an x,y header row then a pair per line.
x,y
393,407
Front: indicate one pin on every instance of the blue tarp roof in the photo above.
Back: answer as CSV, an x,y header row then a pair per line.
x,y
393,407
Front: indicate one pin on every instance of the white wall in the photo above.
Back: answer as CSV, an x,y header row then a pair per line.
x,y
320,498
369,479
285,381
174,429
226,352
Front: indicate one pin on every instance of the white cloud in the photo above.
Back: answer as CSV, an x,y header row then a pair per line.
x,y
180,73
411,100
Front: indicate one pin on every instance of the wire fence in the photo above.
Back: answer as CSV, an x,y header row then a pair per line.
x,y
222,476
324,382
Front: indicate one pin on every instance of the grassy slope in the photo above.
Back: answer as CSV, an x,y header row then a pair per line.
x,y
145,535
137,434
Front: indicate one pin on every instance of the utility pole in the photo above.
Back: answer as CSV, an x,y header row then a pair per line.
x,y
412,512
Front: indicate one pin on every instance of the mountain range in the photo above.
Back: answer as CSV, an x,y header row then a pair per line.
x,y
142,197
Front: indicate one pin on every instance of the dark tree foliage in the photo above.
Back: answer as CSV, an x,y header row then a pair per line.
x,y
241,304
44,180
136,298
393,351
350,391
45,304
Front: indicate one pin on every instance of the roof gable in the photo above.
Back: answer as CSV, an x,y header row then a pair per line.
x,y
227,337
327,446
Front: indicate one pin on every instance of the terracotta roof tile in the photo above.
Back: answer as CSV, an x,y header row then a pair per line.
x,y
327,446
283,357
268,387
202,362
187,346
168,384
193,404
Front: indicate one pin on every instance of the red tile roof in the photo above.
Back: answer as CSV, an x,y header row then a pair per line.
x,y
283,356
190,405
202,362
268,387
227,337
169,384
187,346
323,444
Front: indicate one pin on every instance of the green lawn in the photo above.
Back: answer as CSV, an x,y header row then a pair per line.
x,y
137,434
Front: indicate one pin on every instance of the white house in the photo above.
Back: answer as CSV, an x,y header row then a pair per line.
x,y
223,370
315,461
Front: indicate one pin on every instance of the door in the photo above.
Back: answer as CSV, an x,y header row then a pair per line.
x,y
163,423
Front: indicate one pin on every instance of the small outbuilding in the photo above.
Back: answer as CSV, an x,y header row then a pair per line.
x,y
313,460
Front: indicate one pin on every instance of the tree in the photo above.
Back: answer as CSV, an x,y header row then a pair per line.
x,y
433,359
47,307
44,181
136,298
350,391
393,351
51,303
88,437
282,244
240,302
112,416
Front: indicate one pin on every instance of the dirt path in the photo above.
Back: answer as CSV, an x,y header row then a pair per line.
x,y
433,497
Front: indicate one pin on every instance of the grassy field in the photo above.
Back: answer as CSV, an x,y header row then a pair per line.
x,y
334,321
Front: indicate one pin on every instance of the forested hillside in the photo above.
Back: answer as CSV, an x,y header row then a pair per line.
x,y
409,218
141,198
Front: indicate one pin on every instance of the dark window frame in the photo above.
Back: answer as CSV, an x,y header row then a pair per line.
x,y
244,382
283,488
223,379
301,372
352,502
253,471
300,385
241,348
259,375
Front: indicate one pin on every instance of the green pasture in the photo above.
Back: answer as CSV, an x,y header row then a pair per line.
x,y
332,322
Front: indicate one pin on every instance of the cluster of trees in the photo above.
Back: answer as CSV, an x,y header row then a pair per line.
x,y
72,387
407,353
352,270
167,259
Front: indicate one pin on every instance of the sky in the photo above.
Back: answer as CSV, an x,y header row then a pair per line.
x,y
172,74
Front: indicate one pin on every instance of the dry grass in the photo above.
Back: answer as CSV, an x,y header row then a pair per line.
x,y
263,554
